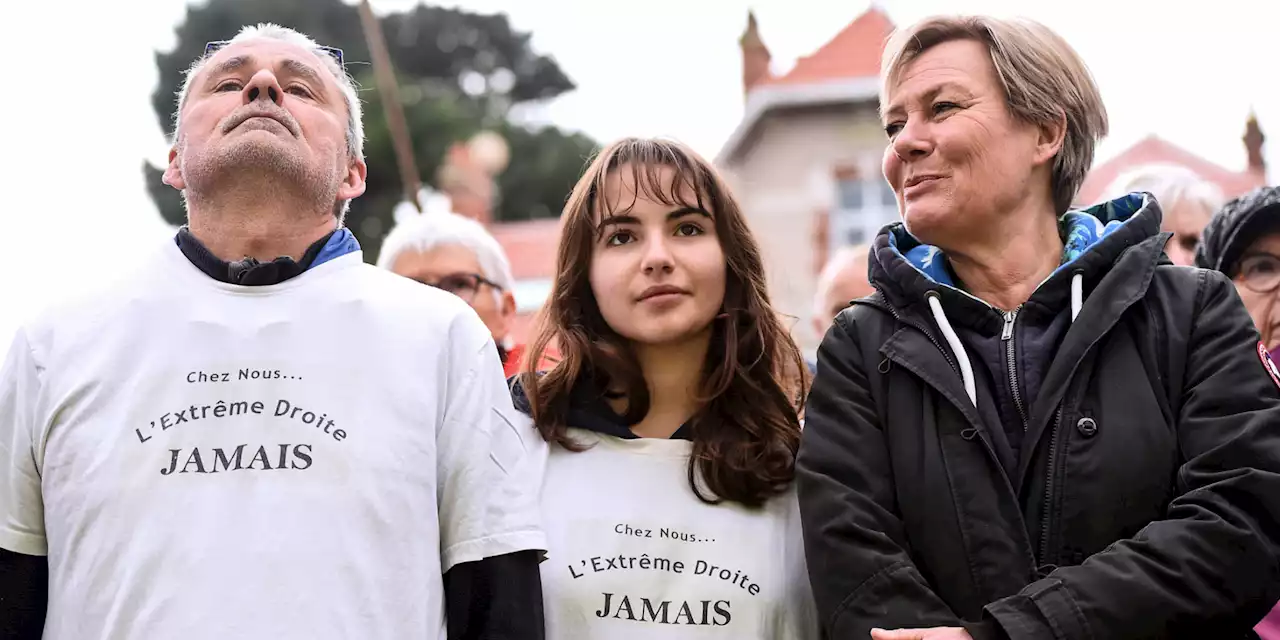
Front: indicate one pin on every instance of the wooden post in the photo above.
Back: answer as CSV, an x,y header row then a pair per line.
x,y
390,94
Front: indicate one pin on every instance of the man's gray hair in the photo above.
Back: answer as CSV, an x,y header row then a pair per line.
x,y
1172,185
427,231
346,84
1044,80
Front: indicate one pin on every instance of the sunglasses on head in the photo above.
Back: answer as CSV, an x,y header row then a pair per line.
x,y
336,53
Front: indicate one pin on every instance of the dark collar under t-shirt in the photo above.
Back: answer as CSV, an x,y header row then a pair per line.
x,y
589,409
599,417
248,272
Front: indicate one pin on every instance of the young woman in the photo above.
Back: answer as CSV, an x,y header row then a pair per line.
x,y
673,414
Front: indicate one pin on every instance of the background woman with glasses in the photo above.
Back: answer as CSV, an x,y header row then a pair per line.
x,y
1243,242
454,253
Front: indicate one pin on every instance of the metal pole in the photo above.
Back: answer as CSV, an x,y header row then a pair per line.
x,y
390,94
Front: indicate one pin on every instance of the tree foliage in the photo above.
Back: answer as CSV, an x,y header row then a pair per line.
x,y
459,72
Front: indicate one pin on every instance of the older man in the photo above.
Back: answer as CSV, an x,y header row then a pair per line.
x,y
454,253
258,435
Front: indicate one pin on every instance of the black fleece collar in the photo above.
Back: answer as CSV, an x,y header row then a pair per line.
x,y
248,272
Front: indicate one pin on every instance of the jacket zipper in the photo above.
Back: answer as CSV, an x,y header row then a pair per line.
x,y
987,445
1011,361
1048,487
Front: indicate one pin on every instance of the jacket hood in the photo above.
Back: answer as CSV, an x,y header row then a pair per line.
x,y
588,409
905,270
916,279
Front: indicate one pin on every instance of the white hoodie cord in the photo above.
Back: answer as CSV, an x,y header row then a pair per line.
x,y
966,368
1077,294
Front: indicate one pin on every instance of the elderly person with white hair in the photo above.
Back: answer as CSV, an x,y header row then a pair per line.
x,y
842,280
1038,428
258,435
1186,200
454,253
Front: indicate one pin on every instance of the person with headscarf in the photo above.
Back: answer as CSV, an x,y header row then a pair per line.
x,y
1243,242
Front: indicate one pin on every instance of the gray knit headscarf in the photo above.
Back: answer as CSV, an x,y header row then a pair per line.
x,y
1236,226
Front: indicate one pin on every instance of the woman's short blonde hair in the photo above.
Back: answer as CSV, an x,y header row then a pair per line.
x,y
1044,81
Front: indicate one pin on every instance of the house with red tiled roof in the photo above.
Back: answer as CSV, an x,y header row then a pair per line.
x,y
805,159
1154,150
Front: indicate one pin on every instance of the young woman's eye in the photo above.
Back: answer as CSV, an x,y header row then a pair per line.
x,y
688,229
619,238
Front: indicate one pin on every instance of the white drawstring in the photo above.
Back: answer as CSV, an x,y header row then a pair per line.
x,y
962,357
966,369
1077,294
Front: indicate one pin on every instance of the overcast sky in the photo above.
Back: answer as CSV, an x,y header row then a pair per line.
x,y
78,121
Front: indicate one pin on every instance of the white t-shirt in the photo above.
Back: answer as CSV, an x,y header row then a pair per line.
x,y
634,555
301,460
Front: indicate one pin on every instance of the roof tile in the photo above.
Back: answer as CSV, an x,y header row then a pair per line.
x,y
1155,150
852,53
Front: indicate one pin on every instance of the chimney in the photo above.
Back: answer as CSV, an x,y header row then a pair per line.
x,y
1253,140
755,56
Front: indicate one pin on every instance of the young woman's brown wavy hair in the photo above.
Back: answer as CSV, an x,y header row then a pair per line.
x,y
747,431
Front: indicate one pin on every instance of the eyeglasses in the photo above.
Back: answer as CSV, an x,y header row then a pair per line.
x,y
1260,272
213,47
463,285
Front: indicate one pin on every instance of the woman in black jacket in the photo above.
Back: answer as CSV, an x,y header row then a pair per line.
x,y
1037,427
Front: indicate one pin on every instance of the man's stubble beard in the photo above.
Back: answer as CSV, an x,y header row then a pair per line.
x,y
243,170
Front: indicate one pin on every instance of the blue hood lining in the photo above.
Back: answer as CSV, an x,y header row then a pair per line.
x,y
1080,230
340,244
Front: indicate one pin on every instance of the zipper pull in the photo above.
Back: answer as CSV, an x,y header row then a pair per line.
x,y
1009,317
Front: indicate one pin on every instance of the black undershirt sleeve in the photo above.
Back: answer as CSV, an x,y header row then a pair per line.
x,y
24,595
497,598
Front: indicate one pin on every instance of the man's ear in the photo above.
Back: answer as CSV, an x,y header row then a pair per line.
x,y
353,183
506,315
508,305
173,172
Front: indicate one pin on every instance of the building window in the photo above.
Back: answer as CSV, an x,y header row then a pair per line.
x,y
864,203
849,194
887,197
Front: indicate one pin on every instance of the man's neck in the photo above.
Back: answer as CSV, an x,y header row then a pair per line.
x,y
1006,270
257,234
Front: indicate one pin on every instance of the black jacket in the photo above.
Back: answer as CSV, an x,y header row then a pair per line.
x,y
1139,496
